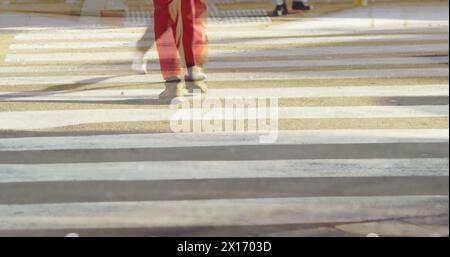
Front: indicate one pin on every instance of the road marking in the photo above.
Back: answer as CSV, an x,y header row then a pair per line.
x,y
51,36
240,64
42,33
227,76
213,43
29,120
238,212
304,51
191,170
165,140
291,92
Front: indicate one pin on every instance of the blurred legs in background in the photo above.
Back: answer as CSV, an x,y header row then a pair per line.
x,y
142,47
282,8
301,5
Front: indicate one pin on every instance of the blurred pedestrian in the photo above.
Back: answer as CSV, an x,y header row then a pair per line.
x,y
142,47
282,8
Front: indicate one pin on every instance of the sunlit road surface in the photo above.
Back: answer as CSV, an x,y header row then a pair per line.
x,y
362,148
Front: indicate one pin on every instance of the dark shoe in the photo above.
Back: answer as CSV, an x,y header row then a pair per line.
x,y
299,5
195,73
280,10
285,9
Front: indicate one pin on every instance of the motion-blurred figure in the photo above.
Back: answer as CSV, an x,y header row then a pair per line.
x,y
282,8
142,47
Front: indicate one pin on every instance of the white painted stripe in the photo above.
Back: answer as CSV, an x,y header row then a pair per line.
x,y
280,40
341,136
52,119
34,33
42,33
242,76
71,45
235,65
320,63
304,51
290,92
190,170
100,43
101,35
232,212
67,57
64,68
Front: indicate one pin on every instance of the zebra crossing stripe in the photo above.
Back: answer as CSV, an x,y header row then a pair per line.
x,y
74,43
241,64
53,119
219,30
214,53
349,136
133,33
292,92
191,170
218,212
227,76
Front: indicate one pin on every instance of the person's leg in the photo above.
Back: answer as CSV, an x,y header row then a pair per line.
x,y
301,5
142,47
281,8
195,41
168,34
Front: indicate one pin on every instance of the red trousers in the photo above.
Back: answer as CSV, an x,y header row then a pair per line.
x,y
180,32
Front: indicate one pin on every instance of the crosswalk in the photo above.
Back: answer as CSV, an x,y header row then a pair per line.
x,y
86,147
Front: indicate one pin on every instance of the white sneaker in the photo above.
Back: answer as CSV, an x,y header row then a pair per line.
x,y
195,73
139,65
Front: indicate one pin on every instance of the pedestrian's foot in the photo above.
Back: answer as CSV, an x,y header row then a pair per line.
x,y
197,87
174,89
139,64
195,73
300,5
280,10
